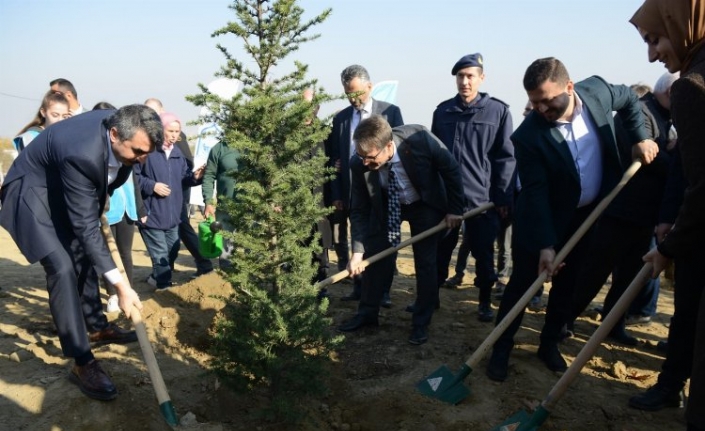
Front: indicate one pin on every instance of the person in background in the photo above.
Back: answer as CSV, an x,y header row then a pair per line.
x,y
65,87
475,128
161,180
674,32
53,109
186,232
340,147
125,205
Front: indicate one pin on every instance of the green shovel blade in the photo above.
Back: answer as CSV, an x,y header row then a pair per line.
x,y
514,422
446,386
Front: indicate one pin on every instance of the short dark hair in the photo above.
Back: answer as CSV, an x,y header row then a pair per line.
x,y
352,72
103,105
545,69
131,118
65,85
372,133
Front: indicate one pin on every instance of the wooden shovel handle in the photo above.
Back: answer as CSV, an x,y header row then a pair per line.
x,y
597,337
487,344
155,373
381,255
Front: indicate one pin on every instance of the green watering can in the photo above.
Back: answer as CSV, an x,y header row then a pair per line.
x,y
210,240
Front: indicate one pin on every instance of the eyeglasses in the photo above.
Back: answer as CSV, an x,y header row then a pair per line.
x,y
370,158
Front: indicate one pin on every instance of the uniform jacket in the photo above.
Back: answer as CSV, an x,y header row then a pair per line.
x,y
337,145
57,188
431,169
478,138
550,183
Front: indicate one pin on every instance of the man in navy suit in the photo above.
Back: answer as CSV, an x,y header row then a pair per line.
x,y
339,147
429,190
52,201
567,159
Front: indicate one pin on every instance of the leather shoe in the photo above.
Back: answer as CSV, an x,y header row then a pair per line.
x,y
93,381
386,301
357,322
656,398
552,357
621,336
498,366
112,334
419,335
484,312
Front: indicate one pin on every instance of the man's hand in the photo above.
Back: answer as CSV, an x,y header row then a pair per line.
x,y
662,230
645,151
127,298
198,173
338,205
354,267
546,258
337,165
659,261
209,211
161,189
453,220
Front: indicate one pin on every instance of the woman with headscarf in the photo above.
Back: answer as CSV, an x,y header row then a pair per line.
x,y
674,31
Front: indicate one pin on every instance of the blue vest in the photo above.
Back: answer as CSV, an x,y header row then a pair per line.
x,y
122,202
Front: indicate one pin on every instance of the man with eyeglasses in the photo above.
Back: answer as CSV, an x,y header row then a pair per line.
x,y
339,147
65,87
567,159
404,173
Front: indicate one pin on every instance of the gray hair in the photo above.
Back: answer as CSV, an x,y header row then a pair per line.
x,y
131,118
352,72
663,84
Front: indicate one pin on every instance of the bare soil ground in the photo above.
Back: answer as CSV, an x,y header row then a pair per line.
x,y
372,378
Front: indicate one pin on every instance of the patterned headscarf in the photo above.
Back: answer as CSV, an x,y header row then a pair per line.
x,y
681,21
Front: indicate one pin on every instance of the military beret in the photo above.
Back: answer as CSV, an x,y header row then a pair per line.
x,y
470,60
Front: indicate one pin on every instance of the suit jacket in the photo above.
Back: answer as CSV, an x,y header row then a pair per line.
x,y
550,183
56,190
431,169
337,146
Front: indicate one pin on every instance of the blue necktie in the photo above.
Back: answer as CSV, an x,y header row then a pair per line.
x,y
393,209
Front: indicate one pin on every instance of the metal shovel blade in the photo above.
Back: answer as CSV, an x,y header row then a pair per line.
x,y
523,421
446,386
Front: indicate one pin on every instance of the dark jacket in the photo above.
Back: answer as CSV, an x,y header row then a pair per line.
x,y
550,183
431,169
478,137
688,110
640,199
57,187
337,146
164,212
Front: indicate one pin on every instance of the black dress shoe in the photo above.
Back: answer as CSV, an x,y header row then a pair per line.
x,y
112,334
552,357
419,335
357,322
498,366
93,381
656,398
621,336
386,303
484,312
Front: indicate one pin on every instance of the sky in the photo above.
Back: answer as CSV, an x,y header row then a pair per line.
x,y
125,51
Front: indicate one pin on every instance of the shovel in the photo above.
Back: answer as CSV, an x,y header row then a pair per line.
x,y
155,374
522,421
381,255
448,387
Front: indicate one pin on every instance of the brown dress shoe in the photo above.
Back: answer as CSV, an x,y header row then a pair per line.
x,y
93,381
112,334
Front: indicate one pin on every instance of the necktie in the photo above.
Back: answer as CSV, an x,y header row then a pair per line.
x,y
393,209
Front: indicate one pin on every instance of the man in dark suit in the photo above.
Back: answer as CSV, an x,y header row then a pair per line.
x,y
413,171
339,147
52,200
567,159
